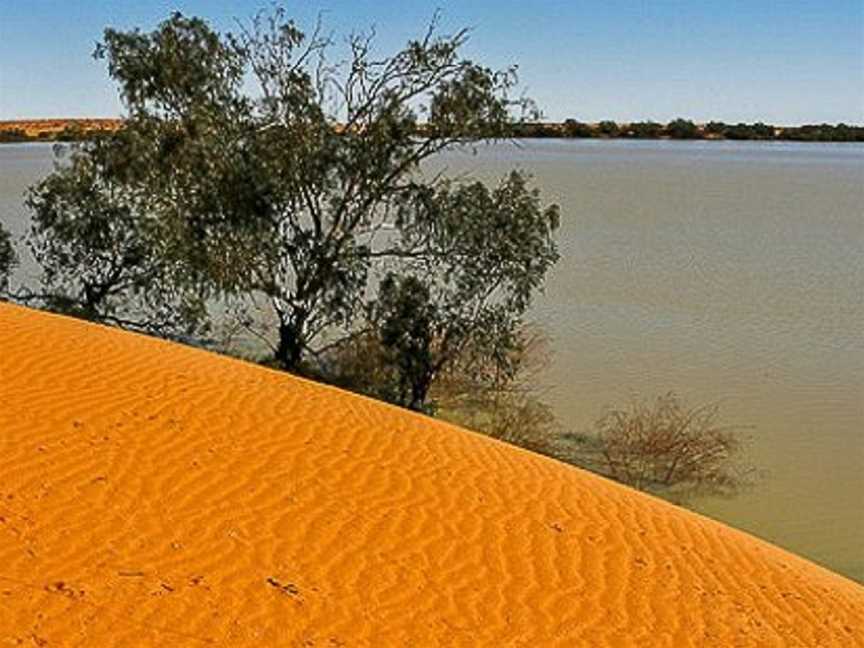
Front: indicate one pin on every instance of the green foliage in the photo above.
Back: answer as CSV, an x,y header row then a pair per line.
x,y
573,128
824,133
11,135
608,128
715,128
8,260
535,130
474,258
100,252
407,320
180,69
469,267
682,129
686,129
255,169
643,130
758,131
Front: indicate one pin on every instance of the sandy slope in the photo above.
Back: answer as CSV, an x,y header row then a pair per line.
x,y
152,494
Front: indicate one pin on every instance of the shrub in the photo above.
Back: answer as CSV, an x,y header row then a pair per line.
x,y
669,447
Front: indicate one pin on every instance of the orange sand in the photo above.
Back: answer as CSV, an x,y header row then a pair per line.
x,y
152,494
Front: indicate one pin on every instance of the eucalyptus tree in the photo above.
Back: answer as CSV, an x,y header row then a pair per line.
x,y
114,240
100,249
268,166
344,144
476,257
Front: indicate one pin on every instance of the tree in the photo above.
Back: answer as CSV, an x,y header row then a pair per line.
x,y
715,128
510,409
476,257
405,320
14,135
574,128
644,130
100,250
670,447
743,131
823,133
608,128
252,169
275,173
683,129
763,131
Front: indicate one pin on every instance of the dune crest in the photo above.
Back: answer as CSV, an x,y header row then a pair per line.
x,y
152,494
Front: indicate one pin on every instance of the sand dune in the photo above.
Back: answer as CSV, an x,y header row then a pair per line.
x,y
152,494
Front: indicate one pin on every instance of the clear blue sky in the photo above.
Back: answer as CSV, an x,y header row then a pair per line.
x,y
781,61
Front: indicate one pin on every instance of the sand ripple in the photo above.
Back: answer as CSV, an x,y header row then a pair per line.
x,y
152,494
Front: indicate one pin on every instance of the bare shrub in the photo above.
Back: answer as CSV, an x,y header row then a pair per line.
x,y
671,448
511,408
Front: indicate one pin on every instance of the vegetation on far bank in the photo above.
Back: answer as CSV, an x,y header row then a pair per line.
x,y
54,130
678,129
685,129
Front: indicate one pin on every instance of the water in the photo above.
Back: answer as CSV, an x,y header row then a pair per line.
x,y
20,166
730,272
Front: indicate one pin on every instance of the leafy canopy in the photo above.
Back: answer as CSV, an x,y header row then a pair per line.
x,y
281,173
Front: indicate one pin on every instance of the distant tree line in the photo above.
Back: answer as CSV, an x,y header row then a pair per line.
x,y
681,129
685,129
10,135
69,133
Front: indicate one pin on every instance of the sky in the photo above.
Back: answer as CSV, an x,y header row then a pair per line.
x,y
780,61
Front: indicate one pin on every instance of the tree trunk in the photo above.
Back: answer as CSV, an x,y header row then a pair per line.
x,y
419,392
289,352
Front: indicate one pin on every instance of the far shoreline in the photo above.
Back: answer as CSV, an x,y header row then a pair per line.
x,y
63,130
